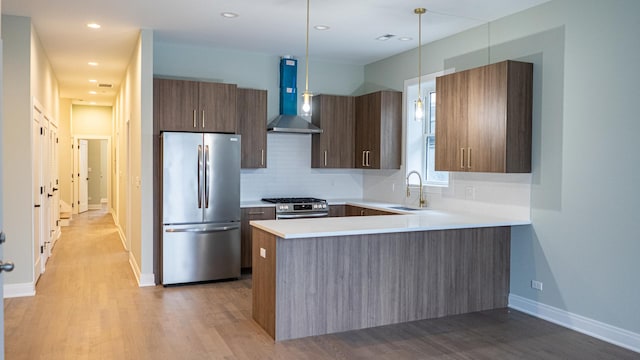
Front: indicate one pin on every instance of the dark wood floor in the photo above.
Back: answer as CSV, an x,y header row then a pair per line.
x,y
89,307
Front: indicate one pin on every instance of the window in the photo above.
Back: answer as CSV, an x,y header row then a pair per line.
x,y
420,137
437,178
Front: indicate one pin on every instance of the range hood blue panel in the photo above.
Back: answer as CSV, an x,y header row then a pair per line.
x,y
288,86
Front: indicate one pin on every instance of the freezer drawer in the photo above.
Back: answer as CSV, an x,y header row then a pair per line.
x,y
200,252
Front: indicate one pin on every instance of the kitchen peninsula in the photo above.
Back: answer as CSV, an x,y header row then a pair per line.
x,y
320,276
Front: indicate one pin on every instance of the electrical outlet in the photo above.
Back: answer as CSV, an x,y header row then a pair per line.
x,y
263,253
536,285
469,193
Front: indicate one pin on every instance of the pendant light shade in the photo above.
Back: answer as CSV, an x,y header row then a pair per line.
x,y
419,104
306,96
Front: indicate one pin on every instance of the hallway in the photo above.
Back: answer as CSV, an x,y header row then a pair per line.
x,y
88,306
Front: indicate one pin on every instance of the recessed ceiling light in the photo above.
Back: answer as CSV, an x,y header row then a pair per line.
x,y
94,26
229,15
92,63
92,103
321,27
405,38
385,37
93,80
92,92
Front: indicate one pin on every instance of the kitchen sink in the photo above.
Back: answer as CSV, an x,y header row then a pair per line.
x,y
404,208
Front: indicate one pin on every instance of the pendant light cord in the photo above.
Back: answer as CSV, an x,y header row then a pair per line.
x,y
306,86
419,54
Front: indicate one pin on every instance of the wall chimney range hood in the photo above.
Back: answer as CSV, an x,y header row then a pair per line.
x,y
288,121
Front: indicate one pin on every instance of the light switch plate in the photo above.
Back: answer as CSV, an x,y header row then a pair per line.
x,y
263,253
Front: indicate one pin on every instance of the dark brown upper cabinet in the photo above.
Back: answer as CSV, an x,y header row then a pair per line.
x,y
378,130
335,115
252,125
181,105
483,119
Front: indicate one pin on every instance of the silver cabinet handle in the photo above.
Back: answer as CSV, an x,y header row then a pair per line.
x,y
194,119
206,176
199,174
6,266
325,158
469,159
203,230
203,118
363,156
368,159
462,158
262,157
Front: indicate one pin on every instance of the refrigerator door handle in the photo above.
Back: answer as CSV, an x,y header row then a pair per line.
x,y
199,180
206,176
203,229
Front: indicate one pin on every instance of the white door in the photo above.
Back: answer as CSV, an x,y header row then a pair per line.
x,y
83,175
39,194
48,194
54,209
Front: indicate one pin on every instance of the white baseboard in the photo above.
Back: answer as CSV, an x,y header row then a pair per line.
x,y
19,290
615,335
123,238
143,279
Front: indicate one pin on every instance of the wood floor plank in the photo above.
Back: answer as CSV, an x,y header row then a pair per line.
x,y
88,306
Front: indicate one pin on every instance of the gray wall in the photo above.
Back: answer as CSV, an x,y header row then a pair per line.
x,y
16,147
583,244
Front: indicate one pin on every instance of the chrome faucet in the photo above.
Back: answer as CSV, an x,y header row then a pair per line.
x,y
423,202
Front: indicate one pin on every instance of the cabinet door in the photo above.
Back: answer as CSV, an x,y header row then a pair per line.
x,y
248,214
389,136
487,118
175,104
364,113
451,122
217,107
252,125
333,148
337,210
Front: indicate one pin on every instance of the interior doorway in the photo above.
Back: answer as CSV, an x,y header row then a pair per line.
x,y
92,190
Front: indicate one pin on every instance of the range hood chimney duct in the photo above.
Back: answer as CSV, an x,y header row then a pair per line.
x,y
288,121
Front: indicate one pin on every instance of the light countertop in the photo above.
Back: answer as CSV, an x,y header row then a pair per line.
x,y
357,225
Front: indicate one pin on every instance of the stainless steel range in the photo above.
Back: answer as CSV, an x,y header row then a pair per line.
x,y
297,208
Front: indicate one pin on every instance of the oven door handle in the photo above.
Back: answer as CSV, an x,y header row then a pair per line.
x,y
301,216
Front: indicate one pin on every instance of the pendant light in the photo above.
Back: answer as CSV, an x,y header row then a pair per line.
x,y
419,104
306,96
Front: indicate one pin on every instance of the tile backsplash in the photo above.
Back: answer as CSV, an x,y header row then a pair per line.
x,y
289,173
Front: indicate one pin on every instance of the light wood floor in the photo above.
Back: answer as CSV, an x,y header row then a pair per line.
x,y
88,306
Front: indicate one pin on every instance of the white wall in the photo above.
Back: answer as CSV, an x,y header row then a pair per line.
x,y
65,155
133,127
583,244
91,120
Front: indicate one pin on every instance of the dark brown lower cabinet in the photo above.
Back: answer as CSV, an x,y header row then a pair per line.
x,y
386,278
246,215
351,210
337,210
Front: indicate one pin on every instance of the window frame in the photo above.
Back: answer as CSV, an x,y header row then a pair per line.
x,y
427,87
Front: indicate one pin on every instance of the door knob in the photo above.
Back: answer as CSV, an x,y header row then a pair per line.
x,y
6,266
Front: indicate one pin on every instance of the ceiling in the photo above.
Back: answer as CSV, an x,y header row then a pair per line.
x,y
275,27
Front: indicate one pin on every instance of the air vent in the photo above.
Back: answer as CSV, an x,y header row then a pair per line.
x,y
105,86
385,37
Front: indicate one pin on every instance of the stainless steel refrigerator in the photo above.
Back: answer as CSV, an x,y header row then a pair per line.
x,y
200,207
